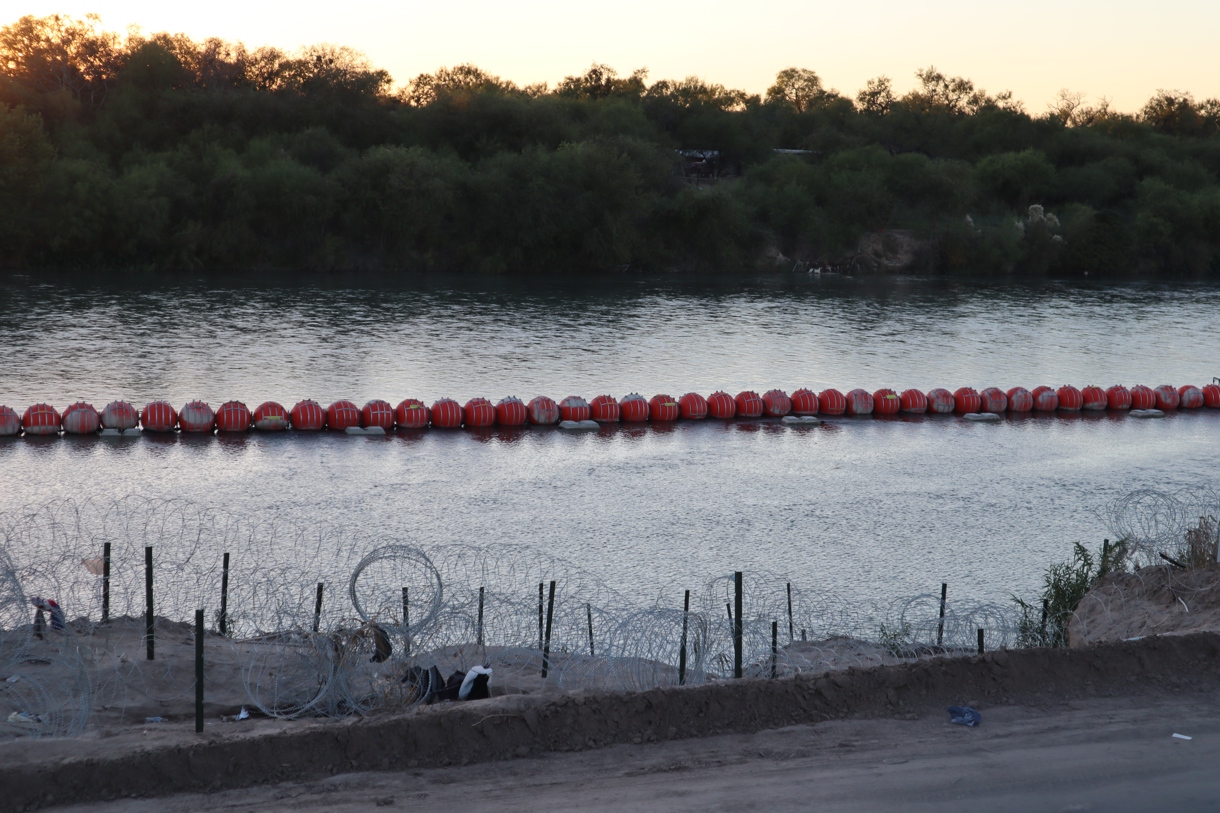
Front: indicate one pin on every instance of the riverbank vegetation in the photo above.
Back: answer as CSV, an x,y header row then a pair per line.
x,y
162,152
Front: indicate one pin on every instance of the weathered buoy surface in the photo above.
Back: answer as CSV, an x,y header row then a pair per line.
x,y
1166,397
1118,397
574,408
82,419
1093,398
981,417
511,412
941,401
40,419
413,413
859,402
196,417
604,408
662,408
721,405
10,421
1045,399
580,426
233,416
633,408
749,404
1147,413
1189,397
120,415
478,412
776,403
1142,397
801,420
993,399
1070,399
542,411
377,413
804,402
1211,396
1020,400
913,401
342,414
447,414
886,402
831,402
692,407
966,399
308,416
158,416
270,416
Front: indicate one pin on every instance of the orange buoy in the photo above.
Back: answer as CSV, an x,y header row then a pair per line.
x,y
633,408
120,415
886,402
341,415
993,399
721,405
913,401
478,412
831,402
377,413
1211,396
604,408
1020,400
308,416
776,403
692,407
967,399
271,417
511,412
40,419
749,405
10,421
158,417
1070,398
413,414
574,408
1118,397
447,414
1189,397
941,401
1166,397
196,416
1142,397
663,408
804,402
542,411
233,416
82,419
1094,398
859,402
1045,399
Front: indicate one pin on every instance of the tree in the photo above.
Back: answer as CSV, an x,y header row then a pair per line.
x,y
877,97
938,93
61,54
603,82
799,89
428,87
694,92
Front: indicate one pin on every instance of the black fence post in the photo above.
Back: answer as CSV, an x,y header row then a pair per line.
x,y
791,636
480,632
682,645
149,623
223,621
406,621
546,646
199,671
1046,606
940,628
981,634
540,588
105,582
317,609
589,613
774,648
737,624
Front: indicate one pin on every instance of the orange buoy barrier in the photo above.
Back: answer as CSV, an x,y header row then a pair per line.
x,y
120,415
1166,397
913,401
158,416
1070,398
270,416
721,405
941,401
377,413
692,407
804,402
1189,397
662,408
776,403
859,402
447,414
1142,397
478,412
542,410
967,399
10,421
341,415
1211,396
574,408
1118,397
1045,399
604,408
233,416
308,416
749,404
831,402
633,408
40,419
1094,398
886,402
196,417
82,419
511,412
993,400
1020,399
411,413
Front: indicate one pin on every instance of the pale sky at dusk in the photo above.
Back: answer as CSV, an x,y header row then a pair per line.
x,y
1120,49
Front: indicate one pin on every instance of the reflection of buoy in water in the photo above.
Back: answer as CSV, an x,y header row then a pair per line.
x,y
1070,398
478,412
692,406
721,405
196,416
308,416
941,401
1020,399
662,408
270,416
604,408
342,414
233,416
804,402
10,421
749,405
831,402
412,413
886,402
1142,397
1189,397
574,408
377,413
859,402
1211,396
776,403
447,414
1093,398
1045,399
158,416
511,412
120,415
1118,397
1166,397
633,408
82,419
913,401
967,399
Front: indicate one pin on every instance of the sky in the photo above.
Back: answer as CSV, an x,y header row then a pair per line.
x,y
1122,50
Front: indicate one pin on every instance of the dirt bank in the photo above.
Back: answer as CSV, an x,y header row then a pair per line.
x,y
1152,601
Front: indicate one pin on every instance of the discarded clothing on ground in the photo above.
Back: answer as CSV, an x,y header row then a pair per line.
x,y
964,715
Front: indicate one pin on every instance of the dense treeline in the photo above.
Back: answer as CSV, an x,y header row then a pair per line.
x,y
158,151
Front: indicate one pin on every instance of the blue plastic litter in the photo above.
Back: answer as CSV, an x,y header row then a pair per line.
x,y
964,715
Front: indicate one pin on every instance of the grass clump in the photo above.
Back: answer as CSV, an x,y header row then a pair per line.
x,y
1044,622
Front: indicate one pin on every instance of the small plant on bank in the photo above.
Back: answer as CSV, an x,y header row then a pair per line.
x,y
1045,622
895,640
1197,550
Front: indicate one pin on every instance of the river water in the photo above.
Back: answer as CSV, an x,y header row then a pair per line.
x,y
868,508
